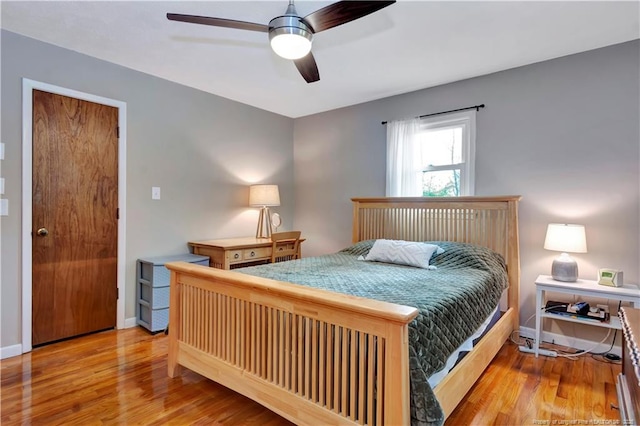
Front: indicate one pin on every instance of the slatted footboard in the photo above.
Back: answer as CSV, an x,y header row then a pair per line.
x,y
313,356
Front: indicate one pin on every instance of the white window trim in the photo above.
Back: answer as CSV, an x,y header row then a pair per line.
x,y
466,119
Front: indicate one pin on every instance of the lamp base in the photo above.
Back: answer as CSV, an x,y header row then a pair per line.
x,y
264,223
565,269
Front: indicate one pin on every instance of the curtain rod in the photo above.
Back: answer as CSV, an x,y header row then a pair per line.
x,y
476,107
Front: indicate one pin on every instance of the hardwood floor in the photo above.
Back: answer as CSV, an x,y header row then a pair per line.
x,y
518,389
119,377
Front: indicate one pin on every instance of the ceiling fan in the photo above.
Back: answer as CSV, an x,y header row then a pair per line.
x,y
291,35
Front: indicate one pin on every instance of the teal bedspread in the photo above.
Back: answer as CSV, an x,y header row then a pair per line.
x,y
452,300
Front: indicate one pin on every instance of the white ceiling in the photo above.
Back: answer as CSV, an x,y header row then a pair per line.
x,y
407,46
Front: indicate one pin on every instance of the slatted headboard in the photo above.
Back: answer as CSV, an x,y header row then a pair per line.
x,y
487,221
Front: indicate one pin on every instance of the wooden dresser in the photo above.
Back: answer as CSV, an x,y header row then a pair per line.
x,y
232,253
628,383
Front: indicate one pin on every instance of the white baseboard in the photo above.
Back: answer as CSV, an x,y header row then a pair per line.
x,y
572,342
9,351
15,350
548,337
130,322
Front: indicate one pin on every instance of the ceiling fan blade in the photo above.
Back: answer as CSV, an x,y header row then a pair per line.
x,y
342,12
308,68
218,22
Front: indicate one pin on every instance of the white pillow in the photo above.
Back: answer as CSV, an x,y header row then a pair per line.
x,y
409,253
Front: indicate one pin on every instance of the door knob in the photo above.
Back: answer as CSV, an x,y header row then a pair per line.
x,y
42,232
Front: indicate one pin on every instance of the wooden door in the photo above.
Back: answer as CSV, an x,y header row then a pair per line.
x,y
75,228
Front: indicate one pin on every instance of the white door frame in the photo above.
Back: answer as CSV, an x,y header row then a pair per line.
x,y
28,86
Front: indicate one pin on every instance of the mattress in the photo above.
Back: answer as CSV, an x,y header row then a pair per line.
x,y
465,348
453,301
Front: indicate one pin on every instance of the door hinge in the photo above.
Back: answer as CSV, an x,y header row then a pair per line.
x,y
117,293
118,132
117,213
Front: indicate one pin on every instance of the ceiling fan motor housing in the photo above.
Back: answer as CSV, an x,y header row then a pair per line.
x,y
288,24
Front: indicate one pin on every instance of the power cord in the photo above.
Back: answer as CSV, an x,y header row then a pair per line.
x,y
527,340
608,351
574,355
607,354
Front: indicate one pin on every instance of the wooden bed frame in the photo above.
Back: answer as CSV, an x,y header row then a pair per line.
x,y
318,357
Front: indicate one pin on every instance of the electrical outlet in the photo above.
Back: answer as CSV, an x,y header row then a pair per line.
x,y
4,207
1,186
1,151
155,192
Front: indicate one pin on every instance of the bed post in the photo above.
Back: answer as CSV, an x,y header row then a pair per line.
x,y
355,229
396,376
513,250
174,369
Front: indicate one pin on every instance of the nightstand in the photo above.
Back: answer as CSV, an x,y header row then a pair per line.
x,y
588,288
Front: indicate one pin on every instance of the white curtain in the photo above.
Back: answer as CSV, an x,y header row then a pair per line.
x,y
404,171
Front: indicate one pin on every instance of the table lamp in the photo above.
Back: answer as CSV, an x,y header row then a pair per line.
x,y
264,196
566,238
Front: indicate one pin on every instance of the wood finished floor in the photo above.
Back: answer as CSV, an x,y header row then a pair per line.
x,y
120,377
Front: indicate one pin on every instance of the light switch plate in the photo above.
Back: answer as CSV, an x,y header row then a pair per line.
x,y
155,192
4,207
1,151
1,185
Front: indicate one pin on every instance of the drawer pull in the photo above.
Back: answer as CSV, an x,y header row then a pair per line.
x,y
236,256
253,253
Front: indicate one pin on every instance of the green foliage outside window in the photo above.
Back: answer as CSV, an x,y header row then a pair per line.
x,y
445,183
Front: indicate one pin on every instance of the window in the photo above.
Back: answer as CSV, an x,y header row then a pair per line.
x,y
446,144
432,156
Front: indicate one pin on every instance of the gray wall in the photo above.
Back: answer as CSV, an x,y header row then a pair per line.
x,y
564,134
201,149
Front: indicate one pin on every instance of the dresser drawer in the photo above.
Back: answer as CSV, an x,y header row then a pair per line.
x,y
156,297
285,247
151,269
234,256
256,253
152,319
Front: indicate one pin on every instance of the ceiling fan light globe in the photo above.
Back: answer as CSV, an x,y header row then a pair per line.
x,y
290,43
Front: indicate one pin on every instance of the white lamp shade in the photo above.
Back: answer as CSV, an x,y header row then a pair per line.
x,y
568,238
291,46
264,195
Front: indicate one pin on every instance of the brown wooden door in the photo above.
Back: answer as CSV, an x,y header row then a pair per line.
x,y
75,198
